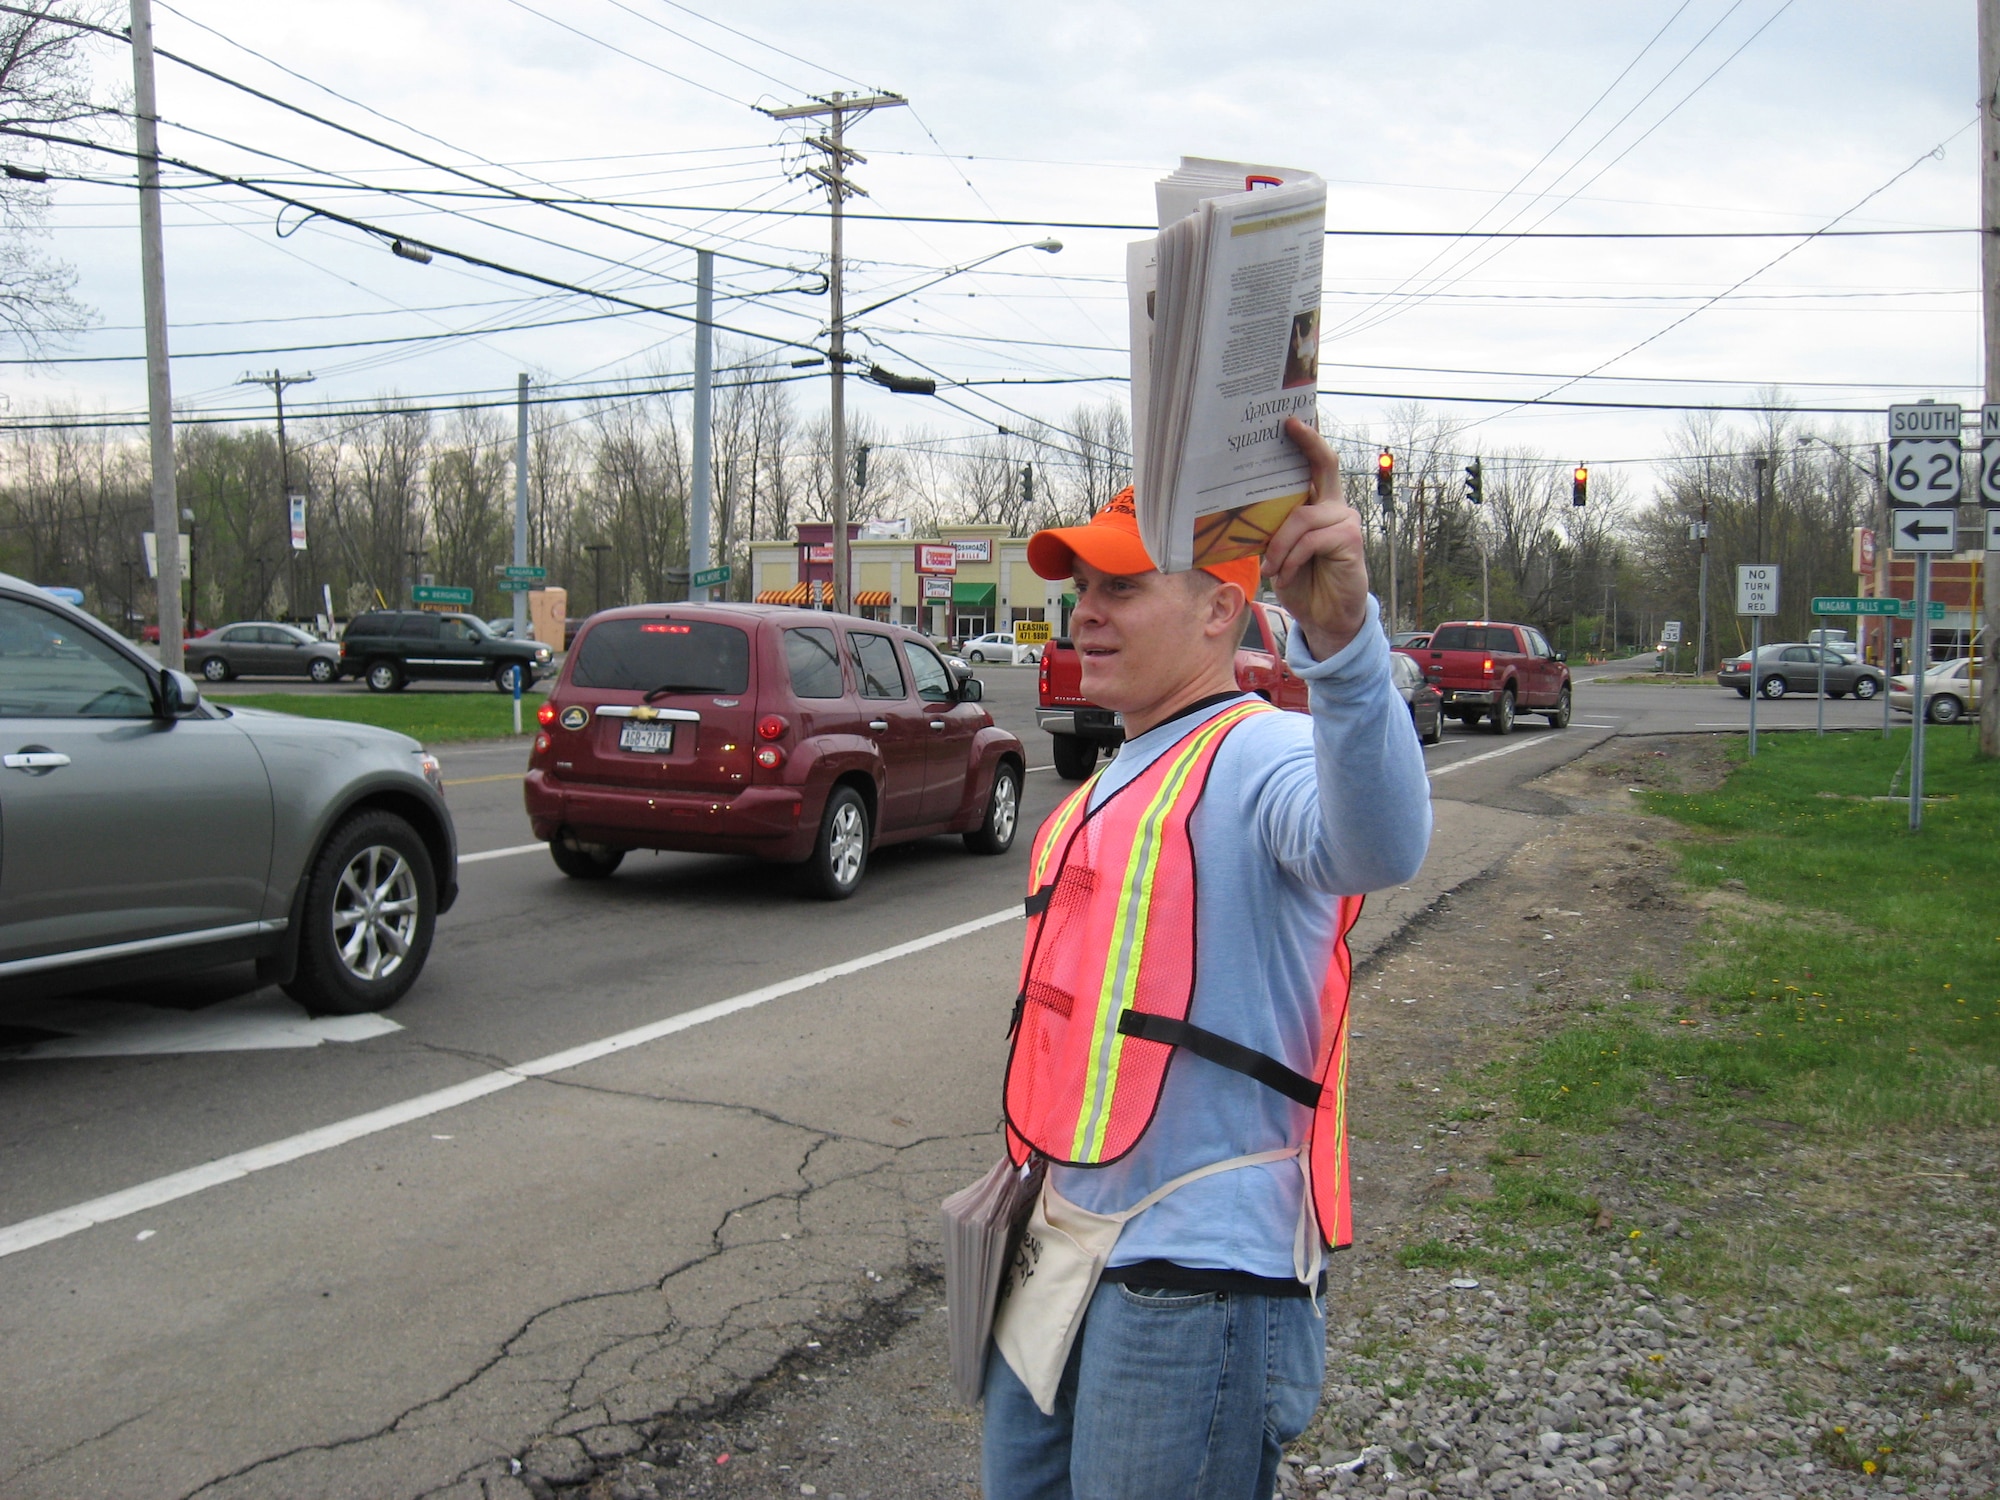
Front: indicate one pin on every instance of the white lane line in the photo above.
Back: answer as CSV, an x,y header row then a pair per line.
x,y
1032,769
473,859
1473,760
29,1233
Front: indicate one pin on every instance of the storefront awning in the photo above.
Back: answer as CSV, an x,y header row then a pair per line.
x,y
974,595
798,594
872,599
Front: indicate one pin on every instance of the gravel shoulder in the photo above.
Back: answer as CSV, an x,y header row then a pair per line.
x,y
1660,1307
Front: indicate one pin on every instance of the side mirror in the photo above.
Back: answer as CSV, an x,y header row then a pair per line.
x,y
178,693
1562,656
972,690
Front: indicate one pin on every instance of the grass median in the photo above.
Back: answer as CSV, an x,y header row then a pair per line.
x,y
434,718
1853,986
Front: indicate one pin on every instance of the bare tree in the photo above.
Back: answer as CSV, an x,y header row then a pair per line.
x,y
44,98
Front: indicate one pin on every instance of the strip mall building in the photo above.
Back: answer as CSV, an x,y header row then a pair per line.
x,y
991,588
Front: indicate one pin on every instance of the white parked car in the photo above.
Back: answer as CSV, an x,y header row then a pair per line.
x,y
1951,689
999,645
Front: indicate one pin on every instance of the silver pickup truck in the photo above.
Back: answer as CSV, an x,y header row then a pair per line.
x,y
145,831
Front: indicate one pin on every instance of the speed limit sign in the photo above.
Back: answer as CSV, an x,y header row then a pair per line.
x,y
1923,454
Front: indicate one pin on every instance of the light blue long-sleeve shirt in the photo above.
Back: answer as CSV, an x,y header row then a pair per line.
x,y
1299,811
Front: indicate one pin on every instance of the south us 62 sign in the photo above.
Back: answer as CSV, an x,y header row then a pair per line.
x,y
1923,454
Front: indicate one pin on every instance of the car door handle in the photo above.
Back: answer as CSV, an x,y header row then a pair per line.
x,y
880,726
35,760
937,723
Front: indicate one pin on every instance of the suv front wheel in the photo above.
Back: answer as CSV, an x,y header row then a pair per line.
x,y
384,677
370,909
505,673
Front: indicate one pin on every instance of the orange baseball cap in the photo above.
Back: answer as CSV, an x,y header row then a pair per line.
x,y
1110,543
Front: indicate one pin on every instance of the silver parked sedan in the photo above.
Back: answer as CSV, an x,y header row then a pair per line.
x,y
1794,667
260,648
144,831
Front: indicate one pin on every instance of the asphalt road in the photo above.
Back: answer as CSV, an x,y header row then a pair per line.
x,y
622,1147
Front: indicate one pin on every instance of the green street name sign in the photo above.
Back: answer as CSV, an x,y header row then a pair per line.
x,y
1833,605
708,578
1909,609
437,593
519,570
518,585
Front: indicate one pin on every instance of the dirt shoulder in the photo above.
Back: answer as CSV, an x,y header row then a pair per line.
x,y
1654,1308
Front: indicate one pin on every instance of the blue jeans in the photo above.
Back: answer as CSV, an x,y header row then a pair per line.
x,y
1168,1395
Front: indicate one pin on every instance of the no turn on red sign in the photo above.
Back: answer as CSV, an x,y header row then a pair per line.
x,y
1756,588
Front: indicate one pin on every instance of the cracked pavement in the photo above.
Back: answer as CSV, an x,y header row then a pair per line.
x,y
547,1273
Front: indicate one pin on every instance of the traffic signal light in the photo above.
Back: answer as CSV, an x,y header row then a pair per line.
x,y
1385,477
1475,483
1579,482
1027,487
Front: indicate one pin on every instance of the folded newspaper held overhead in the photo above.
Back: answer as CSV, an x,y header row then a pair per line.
x,y
1224,308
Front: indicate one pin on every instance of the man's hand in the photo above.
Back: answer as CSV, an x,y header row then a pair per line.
x,y
1315,560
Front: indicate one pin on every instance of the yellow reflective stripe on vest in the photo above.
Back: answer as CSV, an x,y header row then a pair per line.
x,y
1128,939
1053,831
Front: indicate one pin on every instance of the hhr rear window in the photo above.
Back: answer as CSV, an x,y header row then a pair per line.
x,y
1474,638
814,662
674,656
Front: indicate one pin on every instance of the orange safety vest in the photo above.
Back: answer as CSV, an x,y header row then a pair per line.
x,y
1108,973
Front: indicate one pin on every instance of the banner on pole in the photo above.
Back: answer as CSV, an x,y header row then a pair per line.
x,y
298,503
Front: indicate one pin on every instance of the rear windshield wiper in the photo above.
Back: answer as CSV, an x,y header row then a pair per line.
x,y
666,689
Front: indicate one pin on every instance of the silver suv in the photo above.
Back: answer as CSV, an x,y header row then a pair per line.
x,y
144,831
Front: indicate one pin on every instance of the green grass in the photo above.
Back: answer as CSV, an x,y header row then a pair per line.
x,y
434,718
1859,990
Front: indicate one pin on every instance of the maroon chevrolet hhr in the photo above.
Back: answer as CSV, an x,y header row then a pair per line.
x,y
801,738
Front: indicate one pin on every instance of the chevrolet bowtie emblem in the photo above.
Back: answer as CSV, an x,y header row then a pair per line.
x,y
645,711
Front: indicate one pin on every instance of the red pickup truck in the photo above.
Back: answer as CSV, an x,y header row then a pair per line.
x,y
1079,728
1484,669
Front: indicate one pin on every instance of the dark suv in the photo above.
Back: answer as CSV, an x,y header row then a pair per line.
x,y
387,648
802,738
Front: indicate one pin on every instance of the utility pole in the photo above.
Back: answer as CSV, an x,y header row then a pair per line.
x,y
1701,624
704,407
836,109
1989,287
276,381
159,381
597,551
520,505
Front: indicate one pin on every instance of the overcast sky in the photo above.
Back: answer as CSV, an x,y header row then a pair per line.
x,y
1730,115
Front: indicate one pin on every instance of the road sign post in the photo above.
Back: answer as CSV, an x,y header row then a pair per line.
x,y
1859,607
1756,596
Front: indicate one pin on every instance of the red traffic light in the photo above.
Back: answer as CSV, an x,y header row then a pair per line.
x,y
1386,464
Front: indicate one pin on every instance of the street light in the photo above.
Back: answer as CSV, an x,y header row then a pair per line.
x,y
1047,247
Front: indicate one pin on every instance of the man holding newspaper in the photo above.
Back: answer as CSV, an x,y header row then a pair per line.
x,y
1179,1042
